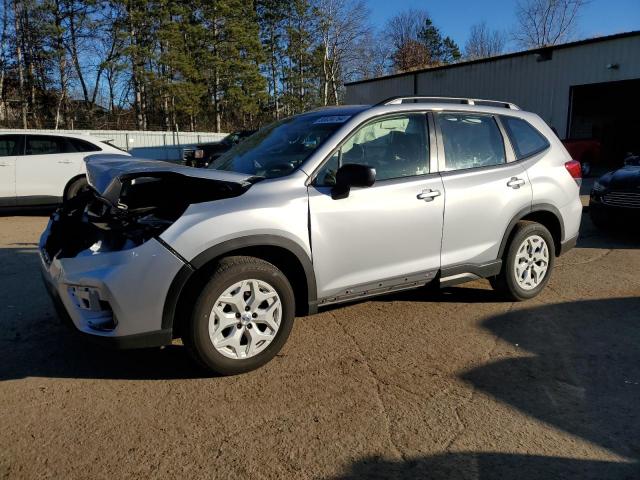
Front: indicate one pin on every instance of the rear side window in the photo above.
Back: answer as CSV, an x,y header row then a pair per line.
x,y
525,139
9,145
44,145
78,145
471,141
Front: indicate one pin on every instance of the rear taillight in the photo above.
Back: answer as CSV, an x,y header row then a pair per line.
x,y
575,170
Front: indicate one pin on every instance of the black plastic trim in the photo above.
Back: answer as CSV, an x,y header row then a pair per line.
x,y
380,287
568,245
158,338
183,275
539,207
175,289
483,270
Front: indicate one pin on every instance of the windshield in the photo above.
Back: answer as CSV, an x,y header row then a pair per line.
x,y
278,149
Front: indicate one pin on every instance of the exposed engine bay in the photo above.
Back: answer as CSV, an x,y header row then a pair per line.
x,y
134,208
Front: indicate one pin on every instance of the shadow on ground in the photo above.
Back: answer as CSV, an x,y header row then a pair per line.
x,y
38,211
489,466
584,374
579,372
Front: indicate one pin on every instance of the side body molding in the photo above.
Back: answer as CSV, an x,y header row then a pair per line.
x,y
189,269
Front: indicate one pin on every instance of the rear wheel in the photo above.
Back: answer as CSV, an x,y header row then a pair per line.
x,y
77,186
242,318
527,263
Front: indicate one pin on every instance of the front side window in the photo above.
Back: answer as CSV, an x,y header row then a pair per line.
x,y
44,145
396,147
525,139
471,140
278,149
9,145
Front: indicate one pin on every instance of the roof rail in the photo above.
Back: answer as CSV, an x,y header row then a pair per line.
x,y
465,101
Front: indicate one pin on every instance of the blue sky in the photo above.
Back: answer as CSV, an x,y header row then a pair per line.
x,y
455,17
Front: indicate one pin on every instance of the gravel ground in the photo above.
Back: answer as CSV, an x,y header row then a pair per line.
x,y
452,384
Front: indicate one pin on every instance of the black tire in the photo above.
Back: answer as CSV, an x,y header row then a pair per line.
x,y
229,271
77,186
505,282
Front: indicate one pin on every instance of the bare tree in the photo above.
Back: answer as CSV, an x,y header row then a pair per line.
x,y
484,42
373,57
546,22
405,27
342,25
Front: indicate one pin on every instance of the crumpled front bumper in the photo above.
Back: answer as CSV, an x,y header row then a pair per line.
x,y
115,297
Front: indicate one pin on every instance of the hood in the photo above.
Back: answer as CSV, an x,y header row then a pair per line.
x,y
625,178
133,200
108,173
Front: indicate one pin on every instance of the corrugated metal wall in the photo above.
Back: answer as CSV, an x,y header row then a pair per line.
x,y
538,86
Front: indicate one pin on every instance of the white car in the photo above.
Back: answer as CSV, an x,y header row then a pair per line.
x,y
45,168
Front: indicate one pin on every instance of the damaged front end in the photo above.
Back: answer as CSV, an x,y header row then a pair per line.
x,y
102,258
131,208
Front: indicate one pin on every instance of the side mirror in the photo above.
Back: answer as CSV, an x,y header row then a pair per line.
x,y
352,175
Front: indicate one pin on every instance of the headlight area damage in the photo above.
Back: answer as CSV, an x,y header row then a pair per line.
x,y
131,208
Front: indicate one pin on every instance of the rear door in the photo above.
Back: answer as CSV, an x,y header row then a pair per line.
x,y
45,169
483,185
10,147
386,236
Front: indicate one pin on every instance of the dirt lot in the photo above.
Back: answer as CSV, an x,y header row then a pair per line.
x,y
457,384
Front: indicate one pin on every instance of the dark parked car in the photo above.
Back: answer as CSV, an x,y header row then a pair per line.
x,y
615,197
205,153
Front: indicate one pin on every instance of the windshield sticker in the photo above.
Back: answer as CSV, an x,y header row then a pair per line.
x,y
333,119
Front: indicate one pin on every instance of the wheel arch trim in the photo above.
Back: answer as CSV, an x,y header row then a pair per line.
x,y
216,251
538,207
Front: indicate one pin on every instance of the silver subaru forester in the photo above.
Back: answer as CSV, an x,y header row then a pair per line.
x,y
330,206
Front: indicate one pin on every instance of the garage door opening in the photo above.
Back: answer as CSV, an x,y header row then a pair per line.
x,y
609,113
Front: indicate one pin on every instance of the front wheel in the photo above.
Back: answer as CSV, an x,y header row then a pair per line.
x,y
242,318
528,262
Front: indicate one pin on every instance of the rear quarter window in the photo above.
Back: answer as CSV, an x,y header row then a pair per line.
x,y
525,139
78,145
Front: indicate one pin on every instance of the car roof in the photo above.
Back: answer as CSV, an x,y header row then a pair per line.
x,y
54,134
433,105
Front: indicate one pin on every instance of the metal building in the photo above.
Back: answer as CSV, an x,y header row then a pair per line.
x,y
584,89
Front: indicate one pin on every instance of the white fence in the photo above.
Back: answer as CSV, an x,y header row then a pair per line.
x,y
145,144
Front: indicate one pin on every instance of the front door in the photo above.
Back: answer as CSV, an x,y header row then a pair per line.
x,y
10,148
386,236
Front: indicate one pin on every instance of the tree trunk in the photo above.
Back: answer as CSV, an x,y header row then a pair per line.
x,y
20,60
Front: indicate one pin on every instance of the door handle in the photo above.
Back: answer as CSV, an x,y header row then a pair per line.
x,y
428,195
515,182
4,164
65,161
